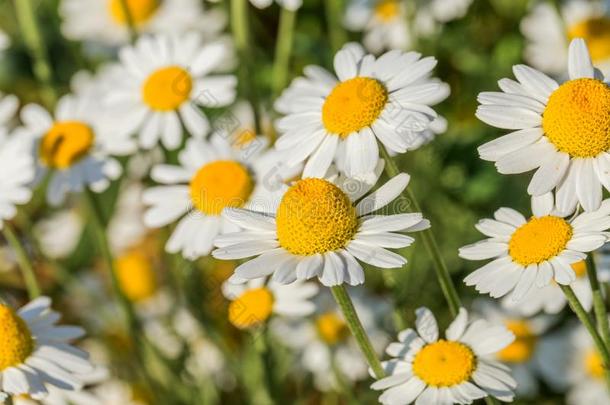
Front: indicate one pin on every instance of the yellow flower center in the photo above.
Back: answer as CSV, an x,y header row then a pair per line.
x,y
16,343
136,275
387,10
539,239
594,365
140,11
167,88
580,268
65,143
596,31
315,216
577,118
251,308
331,328
522,348
444,363
220,184
353,104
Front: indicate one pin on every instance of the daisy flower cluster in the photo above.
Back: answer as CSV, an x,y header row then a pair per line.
x,y
277,202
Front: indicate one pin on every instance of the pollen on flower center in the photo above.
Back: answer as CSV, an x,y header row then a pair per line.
x,y
16,343
65,144
594,365
139,10
353,104
387,10
220,184
315,216
596,32
251,308
577,118
331,328
444,363
136,276
167,88
539,239
522,348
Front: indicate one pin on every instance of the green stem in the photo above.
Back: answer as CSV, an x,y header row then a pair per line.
x,y
334,15
584,318
355,326
283,47
599,306
241,34
26,18
131,26
491,401
25,265
442,272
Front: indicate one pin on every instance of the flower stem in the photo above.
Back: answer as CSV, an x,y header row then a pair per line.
x,y
26,18
355,326
334,15
131,26
588,324
599,306
25,265
442,272
241,34
283,47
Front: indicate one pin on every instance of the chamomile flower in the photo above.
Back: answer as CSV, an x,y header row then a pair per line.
x,y
211,176
16,175
254,302
456,369
551,299
164,81
329,118
35,352
548,34
320,230
105,21
535,251
562,130
287,4
526,354
73,146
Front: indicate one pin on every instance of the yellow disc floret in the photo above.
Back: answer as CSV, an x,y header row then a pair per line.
x,y
353,104
539,239
16,343
444,363
136,275
577,118
251,308
522,348
387,10
140,11
167,88
65,144
315,216
220,184
596,32
580,268
331,328
594,365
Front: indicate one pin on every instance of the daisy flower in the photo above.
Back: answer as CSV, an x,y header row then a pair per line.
x,y
210,176
164,80
254,302
526,355
74,145
548,34
104,20
562,130
535,251
329,118
35,352
551,299
17,164
324,344
320,230
292,5
458,369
